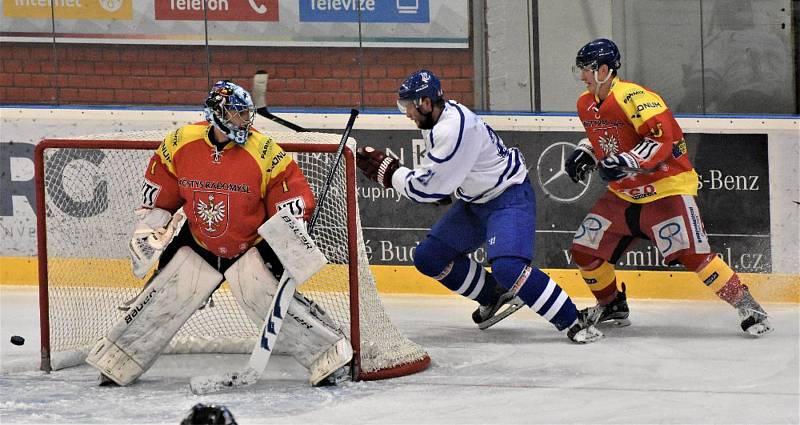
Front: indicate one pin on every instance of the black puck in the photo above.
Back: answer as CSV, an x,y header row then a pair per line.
x,y
17,340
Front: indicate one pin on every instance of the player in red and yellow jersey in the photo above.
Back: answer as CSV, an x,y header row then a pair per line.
x,y
229,179
637,146
226,180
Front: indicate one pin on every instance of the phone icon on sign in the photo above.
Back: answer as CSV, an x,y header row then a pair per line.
x,y
258,8
407,6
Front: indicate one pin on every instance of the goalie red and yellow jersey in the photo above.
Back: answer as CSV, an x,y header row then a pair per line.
x,y
226,194
636,120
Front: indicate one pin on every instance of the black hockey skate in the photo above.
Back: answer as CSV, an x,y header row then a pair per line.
x,y
487,315
583,330
616,311
754,318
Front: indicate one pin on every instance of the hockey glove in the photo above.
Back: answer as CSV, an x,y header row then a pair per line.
x,y
153,231
618,166
581,162
376,165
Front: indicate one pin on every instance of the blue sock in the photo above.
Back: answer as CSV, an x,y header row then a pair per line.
x,y
539,292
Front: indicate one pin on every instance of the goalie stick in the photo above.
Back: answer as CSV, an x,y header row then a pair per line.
x,y
284,294
260,101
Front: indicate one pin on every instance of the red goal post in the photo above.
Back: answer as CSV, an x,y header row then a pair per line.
x,y
87,189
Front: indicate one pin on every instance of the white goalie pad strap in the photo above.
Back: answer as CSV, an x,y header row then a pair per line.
x,y
298,253
307,334
153,231
141,334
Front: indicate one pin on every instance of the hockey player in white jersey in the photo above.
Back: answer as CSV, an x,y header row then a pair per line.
x,y
495,205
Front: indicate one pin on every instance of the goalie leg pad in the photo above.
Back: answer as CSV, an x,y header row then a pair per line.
x,y
143,332
252,284
308,334
314,341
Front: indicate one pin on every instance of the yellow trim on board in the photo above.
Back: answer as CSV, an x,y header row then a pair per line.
x,y
407,280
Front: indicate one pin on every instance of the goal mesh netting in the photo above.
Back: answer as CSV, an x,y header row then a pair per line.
x,y
91,186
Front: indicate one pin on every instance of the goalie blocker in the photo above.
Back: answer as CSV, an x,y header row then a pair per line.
x,y
183,285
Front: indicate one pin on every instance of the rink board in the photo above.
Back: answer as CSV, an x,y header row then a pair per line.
x,y
678,285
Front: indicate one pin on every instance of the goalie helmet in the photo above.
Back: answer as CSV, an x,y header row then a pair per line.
x,y
420,84
208,414
595,53
230,108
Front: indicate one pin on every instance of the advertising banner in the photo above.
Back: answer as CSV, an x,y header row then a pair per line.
x,y
364,10
315,23
79,10
171,10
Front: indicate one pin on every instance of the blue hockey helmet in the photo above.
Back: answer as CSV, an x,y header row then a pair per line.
x,y
601,51
420,84
230,108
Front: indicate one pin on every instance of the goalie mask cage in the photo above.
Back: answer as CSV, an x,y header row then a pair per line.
x,y
87,189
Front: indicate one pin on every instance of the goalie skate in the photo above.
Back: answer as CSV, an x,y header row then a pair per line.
x,y
487,315
615,312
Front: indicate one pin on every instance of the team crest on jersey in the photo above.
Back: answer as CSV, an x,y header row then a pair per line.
x,y
296,207
211,210
607,137
609,144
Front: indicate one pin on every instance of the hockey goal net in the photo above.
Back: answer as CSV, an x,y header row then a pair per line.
x,y
87,189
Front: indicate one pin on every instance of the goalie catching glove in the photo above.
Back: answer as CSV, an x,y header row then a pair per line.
x,y
152,233
376,165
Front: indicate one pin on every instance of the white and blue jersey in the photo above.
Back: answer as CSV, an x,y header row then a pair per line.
x,y
464,157
496,207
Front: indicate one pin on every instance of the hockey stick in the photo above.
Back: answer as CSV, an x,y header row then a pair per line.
x,y
273,322
260,100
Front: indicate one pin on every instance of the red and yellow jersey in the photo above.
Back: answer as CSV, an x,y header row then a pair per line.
x,y
636,120
225,194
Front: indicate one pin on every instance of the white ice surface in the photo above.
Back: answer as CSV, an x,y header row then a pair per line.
x,y
680,362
